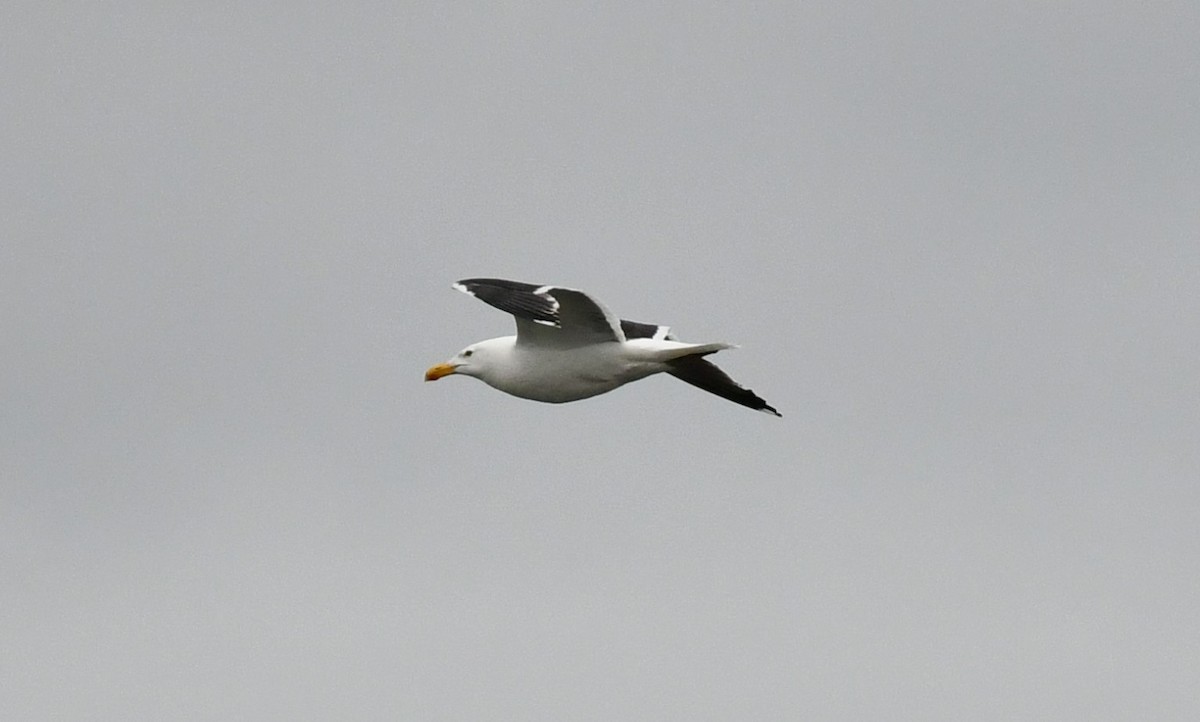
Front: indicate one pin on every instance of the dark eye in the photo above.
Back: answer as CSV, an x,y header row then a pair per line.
x,y
468,352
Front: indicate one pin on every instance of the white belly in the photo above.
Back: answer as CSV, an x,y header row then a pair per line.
x,y
560,375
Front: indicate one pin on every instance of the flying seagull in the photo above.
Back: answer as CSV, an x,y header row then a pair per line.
x,y
569,347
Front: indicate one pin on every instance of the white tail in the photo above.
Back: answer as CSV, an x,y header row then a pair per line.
x,y
691,349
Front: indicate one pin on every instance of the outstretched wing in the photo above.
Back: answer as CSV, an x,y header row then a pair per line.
x,y
547,315
703,374
699,372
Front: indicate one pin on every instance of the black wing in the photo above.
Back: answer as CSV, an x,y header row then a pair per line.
x,y
704,375
634,329
519,299
547,315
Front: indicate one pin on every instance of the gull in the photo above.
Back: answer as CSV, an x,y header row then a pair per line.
x,y
570,347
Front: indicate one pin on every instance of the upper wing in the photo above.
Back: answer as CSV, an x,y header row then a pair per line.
x,y
547,315
634,329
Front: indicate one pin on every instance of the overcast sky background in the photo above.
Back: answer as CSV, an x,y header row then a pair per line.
x,y
959,244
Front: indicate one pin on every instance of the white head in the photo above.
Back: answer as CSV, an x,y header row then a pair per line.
x,y
474,360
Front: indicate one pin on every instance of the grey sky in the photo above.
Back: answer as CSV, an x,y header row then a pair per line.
x,y
957,242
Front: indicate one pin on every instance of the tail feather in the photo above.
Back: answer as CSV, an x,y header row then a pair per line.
x,y
691,350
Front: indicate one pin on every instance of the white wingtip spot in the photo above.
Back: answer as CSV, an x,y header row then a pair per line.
x,y
544,292
460,287
662,333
